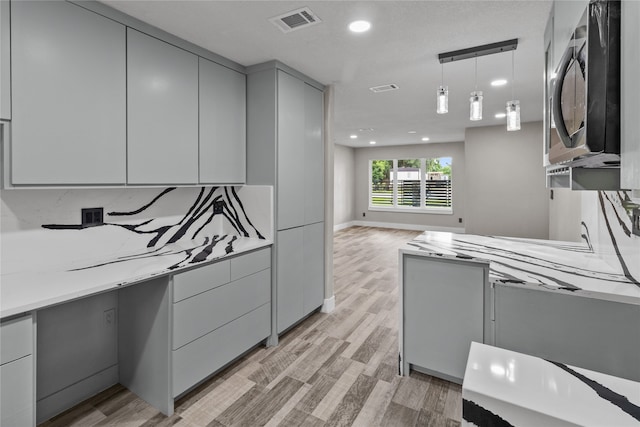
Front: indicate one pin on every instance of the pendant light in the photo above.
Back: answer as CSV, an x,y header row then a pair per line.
x,y
442,104
475,102
513,107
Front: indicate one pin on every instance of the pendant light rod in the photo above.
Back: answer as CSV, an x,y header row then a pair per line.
x,y
474,52
513,74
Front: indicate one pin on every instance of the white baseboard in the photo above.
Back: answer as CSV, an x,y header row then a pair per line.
x,y
329,305
400,226
338,227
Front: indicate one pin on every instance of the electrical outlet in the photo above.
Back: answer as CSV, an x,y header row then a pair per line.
x,y
460,220
363,214
635,221
218,206
110,318
92,217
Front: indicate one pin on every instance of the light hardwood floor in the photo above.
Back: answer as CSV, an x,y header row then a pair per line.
x,y
337,369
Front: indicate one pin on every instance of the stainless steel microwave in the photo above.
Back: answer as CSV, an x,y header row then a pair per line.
x,y
583,105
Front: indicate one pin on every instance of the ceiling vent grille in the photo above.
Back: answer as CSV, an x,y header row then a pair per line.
x,y
295,20
383,88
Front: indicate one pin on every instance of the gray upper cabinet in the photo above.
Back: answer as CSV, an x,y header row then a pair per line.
x,y
630,95
68,95
5,66
222,124
162,112
291,151
313,155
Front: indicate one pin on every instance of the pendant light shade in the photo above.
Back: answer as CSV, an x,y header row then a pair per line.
x,y
475,103
513,107
442,100
513,115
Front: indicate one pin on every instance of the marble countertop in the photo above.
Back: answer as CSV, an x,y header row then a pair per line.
x,y
33,289
553,265
508,388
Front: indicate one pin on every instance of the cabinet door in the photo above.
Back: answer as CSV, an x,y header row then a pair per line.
x,y
5,68
313,155
630,95
313,291
291,158
162,112
68,95
222,124
290,277
16,393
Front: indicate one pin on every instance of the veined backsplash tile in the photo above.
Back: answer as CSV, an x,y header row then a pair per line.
x,y
606,224
41,228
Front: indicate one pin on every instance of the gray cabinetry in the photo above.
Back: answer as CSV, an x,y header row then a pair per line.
x,y
630,96
5,65
162,112
17,373
443,311
222,124
68,95
285,149
217,323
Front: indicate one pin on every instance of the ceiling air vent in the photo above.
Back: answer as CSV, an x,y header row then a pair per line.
x,y
383,88
295,20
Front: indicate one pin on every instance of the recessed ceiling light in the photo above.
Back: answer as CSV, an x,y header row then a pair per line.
x,y
412,131
500,115
372,142
353,136
499,82
425,139
359,26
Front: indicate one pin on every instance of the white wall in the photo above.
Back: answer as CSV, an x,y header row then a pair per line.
x,y
344,185
455,150
505,182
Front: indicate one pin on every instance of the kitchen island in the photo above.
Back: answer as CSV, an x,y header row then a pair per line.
x,y
556,300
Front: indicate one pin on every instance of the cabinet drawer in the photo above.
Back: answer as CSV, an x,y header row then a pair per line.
x,y
16,393
201,358
197,316
253,262
16,339
200,279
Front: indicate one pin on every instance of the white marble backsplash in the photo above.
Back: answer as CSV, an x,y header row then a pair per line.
x,y
39,229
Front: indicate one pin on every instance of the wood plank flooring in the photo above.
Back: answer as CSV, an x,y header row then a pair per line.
x,y
337,369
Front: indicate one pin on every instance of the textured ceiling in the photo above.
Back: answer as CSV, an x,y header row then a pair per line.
x,y
401,47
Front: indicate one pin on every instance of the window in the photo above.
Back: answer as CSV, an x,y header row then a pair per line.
x,y
411,184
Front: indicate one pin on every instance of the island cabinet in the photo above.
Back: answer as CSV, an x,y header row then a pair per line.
x,y
17,407
222,124
443,311
162,112
68,95
630,96
285,149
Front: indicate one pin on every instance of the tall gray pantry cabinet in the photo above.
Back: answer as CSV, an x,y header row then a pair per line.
x,y
285,149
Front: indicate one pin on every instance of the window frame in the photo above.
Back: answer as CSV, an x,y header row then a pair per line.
x,y
448,210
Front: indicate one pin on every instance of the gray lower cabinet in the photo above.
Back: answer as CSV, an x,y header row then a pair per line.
x,y
68,95
162,112
592,333
17,373
219,322
5,62
443,312
222,124
630,96
300,264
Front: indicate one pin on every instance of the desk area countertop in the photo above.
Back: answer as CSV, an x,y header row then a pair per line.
x,y
29,290
503,387
553,265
